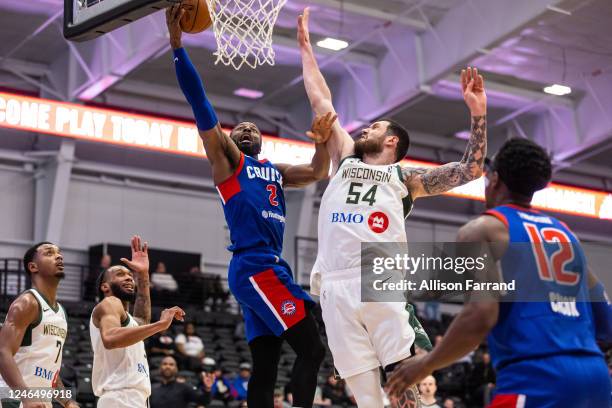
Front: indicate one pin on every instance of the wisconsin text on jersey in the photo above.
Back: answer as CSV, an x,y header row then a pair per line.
x,y
51,330
364,173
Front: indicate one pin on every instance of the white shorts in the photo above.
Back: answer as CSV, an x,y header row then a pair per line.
x,y
363,336
124,398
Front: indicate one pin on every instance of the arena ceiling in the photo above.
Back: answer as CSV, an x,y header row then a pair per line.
x,y
403,61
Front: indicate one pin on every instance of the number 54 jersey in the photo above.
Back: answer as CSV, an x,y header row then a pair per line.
x,y
362,203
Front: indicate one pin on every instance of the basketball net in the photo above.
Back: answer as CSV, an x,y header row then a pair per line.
x,y
243,30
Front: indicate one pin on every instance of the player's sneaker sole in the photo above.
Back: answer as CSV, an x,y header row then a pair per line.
x,y
409,399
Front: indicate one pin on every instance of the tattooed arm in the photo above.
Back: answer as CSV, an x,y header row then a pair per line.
x,y
423,182
139,265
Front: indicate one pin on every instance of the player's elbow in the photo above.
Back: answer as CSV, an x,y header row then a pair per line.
x,y
110,342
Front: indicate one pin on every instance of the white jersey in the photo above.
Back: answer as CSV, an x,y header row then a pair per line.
x,y
39,357
120,368
362,203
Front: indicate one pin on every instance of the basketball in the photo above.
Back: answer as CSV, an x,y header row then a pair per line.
x,y
196,18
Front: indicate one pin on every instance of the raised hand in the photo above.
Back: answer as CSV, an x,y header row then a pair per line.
x,y
322,126
140,257
302,33
173,21
167,315
472,85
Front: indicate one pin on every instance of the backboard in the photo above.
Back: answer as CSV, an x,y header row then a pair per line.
x,y
88,19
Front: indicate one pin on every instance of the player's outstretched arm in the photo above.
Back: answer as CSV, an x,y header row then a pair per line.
x,y
139,265
466,331
301,175
340,144
23,312
222,153
427,182
107,316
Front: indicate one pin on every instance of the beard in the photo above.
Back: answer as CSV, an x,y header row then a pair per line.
x,y
252,149
122,294
367,146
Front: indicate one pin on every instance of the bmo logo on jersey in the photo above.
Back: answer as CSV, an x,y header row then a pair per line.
x,y
378,222
346,218
43,373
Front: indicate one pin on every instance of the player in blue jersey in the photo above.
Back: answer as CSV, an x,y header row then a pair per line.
x,y
545,353
275,308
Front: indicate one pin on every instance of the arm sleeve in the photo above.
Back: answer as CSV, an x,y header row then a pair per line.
x,y
193,89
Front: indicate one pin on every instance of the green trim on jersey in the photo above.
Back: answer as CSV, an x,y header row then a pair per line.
x,y
27,336
421,339
407,201
57,305
352,156
125,321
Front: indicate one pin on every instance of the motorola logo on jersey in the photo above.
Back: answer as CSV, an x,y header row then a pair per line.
x,y
288,308
378,222
346,218
265,173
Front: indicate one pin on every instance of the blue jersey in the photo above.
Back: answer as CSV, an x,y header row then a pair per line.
x,y
558,272
254,206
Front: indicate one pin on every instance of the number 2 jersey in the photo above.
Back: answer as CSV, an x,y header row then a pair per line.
x,y
556,271
362,203
254,206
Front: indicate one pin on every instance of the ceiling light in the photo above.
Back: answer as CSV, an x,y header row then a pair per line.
x,y
248,93
557,89
463,134
332,44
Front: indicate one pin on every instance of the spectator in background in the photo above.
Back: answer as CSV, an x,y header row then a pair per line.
x,y
279,401
171,393
428,389
193,286
241,382
162,344
452,402
335,391
482,380
221,389
319,401
163,284
190,348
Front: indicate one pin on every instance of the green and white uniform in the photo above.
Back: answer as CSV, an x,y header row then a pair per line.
x,y
39,357
362,203
120,377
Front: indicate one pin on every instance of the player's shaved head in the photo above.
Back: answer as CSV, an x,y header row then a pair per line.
x,y
247,137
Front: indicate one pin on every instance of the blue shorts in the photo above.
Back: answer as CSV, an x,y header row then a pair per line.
x,y
271,301
554,382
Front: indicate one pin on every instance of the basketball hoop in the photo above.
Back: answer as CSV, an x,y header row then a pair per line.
x,y
243,30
